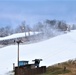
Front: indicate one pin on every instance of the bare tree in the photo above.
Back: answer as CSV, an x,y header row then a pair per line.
x,y
5,31
21,28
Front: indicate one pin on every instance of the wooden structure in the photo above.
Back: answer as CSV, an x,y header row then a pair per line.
x,y
29,70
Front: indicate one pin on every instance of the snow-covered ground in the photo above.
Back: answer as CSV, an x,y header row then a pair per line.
x,y
18,35
52,51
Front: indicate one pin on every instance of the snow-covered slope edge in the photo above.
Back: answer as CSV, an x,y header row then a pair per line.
x,y
52,51
18,35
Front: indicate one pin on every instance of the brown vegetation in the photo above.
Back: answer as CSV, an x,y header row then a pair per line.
x,y
65,68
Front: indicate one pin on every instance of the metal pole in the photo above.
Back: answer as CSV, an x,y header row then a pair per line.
x,y
18,54
13,66
18,42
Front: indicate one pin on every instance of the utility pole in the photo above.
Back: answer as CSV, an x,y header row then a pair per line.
x,y
18,42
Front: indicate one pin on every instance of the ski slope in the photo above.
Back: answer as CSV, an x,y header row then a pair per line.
x,y
52,51
19,35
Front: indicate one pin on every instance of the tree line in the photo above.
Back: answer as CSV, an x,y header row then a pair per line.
x,y
47,27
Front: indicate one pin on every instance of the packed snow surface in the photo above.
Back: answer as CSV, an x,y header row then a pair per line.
x,y
18,35
52,51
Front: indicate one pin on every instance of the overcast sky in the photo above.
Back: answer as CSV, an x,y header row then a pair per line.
x,y
13,12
